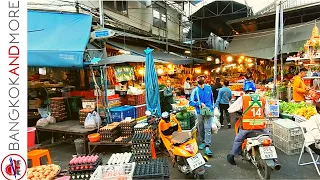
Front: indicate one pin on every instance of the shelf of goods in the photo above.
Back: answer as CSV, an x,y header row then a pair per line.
x,y
58,108
287,136
82,166
117,171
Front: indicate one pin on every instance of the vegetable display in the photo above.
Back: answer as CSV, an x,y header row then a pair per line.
x,y
44,172
301,109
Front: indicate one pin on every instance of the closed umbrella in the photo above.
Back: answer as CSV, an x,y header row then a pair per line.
x,y
151,84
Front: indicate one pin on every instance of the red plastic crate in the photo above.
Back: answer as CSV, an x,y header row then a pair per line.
x,y
140,110
134,100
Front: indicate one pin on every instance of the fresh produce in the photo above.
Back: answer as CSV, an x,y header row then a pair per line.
x,y
301,109
306,112
291,108
44,172
236,87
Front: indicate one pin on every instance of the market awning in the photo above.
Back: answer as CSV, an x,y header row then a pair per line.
x,y
126,58
261,44
157,54
57,39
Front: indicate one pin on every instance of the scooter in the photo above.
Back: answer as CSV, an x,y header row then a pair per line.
x,y
257,148
183,148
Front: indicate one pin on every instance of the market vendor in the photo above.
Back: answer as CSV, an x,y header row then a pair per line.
x,y
168,97
299,87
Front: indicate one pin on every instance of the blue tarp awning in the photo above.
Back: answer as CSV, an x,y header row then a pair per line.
x,y
57,39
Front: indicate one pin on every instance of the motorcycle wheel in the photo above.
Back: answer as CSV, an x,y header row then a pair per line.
x,y
264,171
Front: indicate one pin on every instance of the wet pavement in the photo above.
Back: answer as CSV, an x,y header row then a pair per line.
x,y
220,169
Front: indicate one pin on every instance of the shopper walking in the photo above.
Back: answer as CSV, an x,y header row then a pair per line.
x,y
202,99
187,88
223,100
215,88
168,97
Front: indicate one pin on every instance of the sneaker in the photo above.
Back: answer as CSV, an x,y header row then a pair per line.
x,y
202,146
230,159
229,126
208,152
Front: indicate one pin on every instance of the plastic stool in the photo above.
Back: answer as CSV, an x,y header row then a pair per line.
x,y
36,155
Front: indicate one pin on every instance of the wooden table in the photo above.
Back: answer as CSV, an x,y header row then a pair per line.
x,y
95,144
71,127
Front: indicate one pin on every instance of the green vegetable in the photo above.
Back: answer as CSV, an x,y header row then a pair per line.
x,y
291,108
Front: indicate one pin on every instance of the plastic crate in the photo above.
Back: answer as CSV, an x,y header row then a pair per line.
x,y
288,147
140,110
286,116
299,119
187,123
150,170
136,99
118,114
287,130
113,172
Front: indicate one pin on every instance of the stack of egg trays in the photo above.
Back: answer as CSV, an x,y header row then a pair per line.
x,y
152,170
287,136
141,147
109,135
127,128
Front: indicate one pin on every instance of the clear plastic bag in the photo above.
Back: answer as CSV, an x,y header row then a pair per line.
x,y
216,125
216,112
90,122
42,122
51,119
97,118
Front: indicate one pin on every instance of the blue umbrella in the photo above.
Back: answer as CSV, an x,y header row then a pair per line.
x,y
151,84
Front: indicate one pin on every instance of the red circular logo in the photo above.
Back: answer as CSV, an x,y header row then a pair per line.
x,y
13,167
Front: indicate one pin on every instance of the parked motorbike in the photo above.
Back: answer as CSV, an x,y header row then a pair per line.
x,y
258,149
183,148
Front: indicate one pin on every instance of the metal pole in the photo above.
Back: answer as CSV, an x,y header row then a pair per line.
x,y
101,13
281,39
190,17
167,48
276,39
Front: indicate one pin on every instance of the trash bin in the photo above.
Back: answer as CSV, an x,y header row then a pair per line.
x,y
79,143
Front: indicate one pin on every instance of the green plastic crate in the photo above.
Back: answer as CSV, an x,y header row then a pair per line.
x,y
187,123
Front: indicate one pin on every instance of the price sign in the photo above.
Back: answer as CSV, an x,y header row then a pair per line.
x,y
272,108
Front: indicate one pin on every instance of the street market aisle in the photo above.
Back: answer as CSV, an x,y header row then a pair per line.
x,y
220,168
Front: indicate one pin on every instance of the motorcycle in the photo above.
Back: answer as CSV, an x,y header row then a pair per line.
x,y
183,149
257,148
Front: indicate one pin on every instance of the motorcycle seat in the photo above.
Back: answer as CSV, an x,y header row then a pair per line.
x,y
179,138
254,134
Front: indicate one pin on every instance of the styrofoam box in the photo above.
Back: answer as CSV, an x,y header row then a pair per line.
x,y
287,130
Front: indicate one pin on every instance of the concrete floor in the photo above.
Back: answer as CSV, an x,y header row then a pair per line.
x,y
220,169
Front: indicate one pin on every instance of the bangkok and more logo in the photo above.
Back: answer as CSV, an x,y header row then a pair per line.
x,y
13,167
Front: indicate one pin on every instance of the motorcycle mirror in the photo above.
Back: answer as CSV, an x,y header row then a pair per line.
x,y
148,113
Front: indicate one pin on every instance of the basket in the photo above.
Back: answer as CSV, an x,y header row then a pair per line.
x,y
94,137
287,130
113,172
187,123
136,99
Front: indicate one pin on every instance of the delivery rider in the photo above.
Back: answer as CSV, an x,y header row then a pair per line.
x,y
252,106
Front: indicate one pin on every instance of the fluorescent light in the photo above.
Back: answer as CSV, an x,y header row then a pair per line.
x,y
187,52
209,58
124,52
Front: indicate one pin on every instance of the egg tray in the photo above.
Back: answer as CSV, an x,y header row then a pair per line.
x,y
85,167
109,131
139,138
142,158
80,175
126,140
130,124
149,171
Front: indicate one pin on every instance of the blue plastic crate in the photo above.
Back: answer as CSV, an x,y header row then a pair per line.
x,y
118,114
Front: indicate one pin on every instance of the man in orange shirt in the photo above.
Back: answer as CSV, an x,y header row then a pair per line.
x,y
299,88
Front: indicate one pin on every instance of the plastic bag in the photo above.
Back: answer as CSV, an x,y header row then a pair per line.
x,y
42,122
51,119
97,118
216,112
90,122
216,125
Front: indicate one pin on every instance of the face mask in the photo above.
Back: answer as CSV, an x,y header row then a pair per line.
x,y
201,82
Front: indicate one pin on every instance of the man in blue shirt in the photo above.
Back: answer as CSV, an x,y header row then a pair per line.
x,y
202,97
224,97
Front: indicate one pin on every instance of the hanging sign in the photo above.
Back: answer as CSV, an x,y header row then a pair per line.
x,y
102,33
272,108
